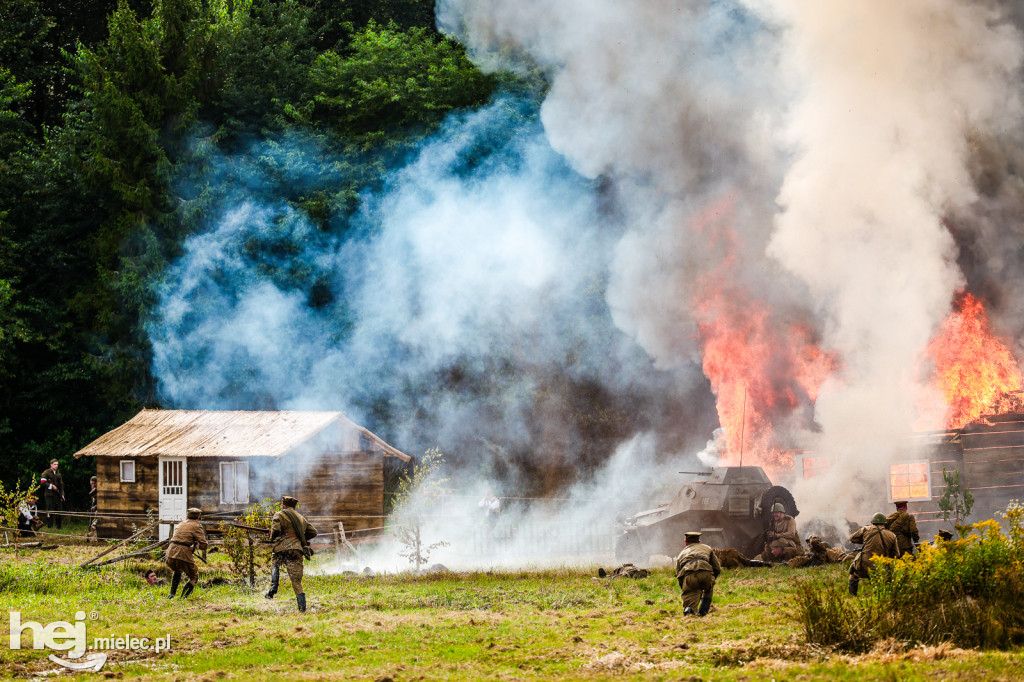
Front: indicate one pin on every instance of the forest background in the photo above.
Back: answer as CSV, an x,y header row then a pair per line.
x,y
126,127
108,108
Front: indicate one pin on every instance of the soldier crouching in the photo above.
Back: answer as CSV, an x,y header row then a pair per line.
x,y
697,569
187,537
290,533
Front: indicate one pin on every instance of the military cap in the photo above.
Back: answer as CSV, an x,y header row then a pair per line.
x,y
289,501
194,512
945,534
878,518
811,537
900,503
692,536
54,461
92,479
779,507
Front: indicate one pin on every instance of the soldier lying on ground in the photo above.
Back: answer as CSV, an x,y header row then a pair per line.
x,y
624,571
732,558
152,580
820,553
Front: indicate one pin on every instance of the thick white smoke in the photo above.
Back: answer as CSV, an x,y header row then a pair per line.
x,y
863,117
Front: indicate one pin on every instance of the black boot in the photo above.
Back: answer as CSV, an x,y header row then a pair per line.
x,y
854,584
705,605
187,590
301,600
275,578
175,579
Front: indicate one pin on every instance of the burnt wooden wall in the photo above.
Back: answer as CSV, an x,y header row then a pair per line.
x,y
993,463
346,487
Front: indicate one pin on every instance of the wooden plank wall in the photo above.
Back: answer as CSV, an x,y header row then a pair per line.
x,y
115,498
994,463
342,486
336,486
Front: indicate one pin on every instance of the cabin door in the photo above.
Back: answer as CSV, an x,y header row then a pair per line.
x,y
172,500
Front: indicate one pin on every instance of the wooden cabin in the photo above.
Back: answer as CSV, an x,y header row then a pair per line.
x,y
162,462
988,453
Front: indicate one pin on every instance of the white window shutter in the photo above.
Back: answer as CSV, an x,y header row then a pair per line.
x,y
242,482
226,482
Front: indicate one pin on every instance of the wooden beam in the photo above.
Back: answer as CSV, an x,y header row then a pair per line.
x,y
145,550
123,542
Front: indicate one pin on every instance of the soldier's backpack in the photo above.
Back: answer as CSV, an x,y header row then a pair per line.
x,y
293,518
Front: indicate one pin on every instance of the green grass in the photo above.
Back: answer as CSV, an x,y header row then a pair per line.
x,y
543,624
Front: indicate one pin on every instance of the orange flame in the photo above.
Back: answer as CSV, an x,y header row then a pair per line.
x,y
975,371
762,370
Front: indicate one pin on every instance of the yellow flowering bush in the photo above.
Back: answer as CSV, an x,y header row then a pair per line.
x,y
967,591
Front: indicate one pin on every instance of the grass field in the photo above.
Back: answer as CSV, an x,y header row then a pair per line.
x,y
538,624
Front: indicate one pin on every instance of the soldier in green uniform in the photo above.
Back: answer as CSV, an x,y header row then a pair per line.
x,y
697,569
188,537
877,541
904,526
290,533
52,484
782,542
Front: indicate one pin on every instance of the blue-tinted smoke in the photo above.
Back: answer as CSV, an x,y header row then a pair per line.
x,y
463,305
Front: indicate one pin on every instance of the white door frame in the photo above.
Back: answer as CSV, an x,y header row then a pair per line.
x,y
172,493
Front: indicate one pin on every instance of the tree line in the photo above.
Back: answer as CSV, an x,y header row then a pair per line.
x,y
109,113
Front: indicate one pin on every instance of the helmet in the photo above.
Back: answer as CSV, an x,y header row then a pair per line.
x,y
878,518
779,507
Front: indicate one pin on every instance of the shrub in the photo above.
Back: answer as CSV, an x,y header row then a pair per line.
x,y
249,556
968,592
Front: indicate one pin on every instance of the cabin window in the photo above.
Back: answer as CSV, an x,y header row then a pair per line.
x,y
812,465
127,471
234,483
910,481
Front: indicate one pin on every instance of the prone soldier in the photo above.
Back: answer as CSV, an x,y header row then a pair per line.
x,y
188,537
290,533
697,569
904,526
877,541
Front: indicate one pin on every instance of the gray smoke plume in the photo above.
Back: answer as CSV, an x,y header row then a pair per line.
x,y
808,158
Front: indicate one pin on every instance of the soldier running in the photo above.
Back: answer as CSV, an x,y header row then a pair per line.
x,y
290,533
188,537
697,569
877,541
904,526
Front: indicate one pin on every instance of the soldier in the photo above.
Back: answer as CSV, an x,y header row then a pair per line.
x,y
53,495
290,533
188,537
904,526
782,542
92,495
697,569
820,553
624,571
877,541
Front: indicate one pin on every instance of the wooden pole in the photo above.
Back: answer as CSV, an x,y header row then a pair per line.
x,y
123,542
743,425
141,552
252,568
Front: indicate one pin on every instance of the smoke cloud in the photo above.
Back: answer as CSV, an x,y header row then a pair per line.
x,y
542,308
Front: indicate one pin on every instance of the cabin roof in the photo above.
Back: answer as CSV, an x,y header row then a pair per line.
x,y
209,433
